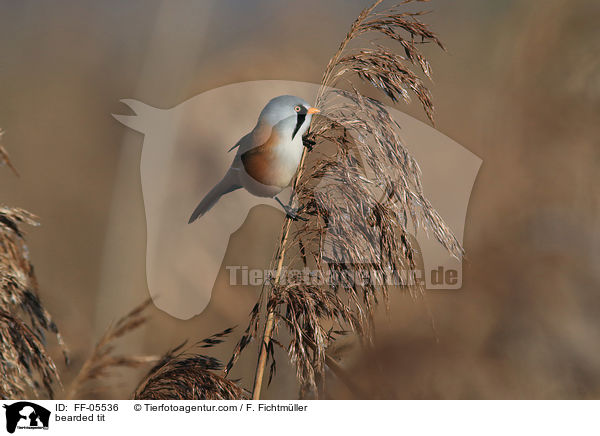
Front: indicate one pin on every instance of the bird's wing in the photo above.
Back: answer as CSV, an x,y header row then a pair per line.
x,y
257,137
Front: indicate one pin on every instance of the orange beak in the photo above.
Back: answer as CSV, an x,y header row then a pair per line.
x,y
313,110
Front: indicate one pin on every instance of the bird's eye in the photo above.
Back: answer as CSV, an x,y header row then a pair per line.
x,y
297,108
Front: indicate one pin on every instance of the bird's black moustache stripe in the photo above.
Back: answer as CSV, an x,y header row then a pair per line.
x,y
299,121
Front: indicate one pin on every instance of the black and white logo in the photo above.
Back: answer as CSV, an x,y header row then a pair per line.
x,y
26,415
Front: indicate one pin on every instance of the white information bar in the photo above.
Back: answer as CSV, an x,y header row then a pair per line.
x,y
288,418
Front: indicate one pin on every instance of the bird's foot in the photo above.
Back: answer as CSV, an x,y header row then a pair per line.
x,y
308,143
293,214
290,212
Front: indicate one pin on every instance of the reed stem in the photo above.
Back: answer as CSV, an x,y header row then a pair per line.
x,y
270,322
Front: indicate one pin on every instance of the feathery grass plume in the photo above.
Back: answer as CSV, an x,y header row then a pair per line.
x,y
26,366
103,359
361,191
184,375
17,278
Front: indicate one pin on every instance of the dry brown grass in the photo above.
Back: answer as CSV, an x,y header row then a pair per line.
x,y
28,369
182,374
26,365
525,323
361,190
103,358
362,193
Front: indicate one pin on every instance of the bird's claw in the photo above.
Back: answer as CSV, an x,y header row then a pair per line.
x,y
292,213
308,143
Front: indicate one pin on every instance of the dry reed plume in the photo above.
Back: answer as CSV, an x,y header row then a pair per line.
x,y
184,375
26,365
103,358
362,193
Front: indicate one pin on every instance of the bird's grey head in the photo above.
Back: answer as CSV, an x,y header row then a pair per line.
x,y
289,113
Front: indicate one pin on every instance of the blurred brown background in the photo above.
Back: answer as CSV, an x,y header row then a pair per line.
x,y
519,87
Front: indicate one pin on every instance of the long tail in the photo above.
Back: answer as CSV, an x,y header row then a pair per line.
x,y
227,184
